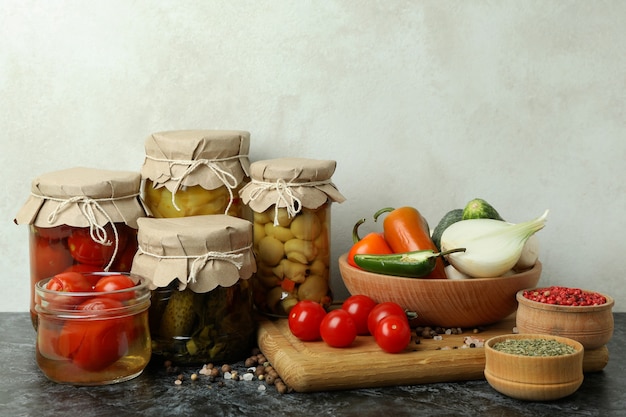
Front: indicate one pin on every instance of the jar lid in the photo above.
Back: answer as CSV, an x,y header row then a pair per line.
x,y
83,197
209,158
201,252
292,183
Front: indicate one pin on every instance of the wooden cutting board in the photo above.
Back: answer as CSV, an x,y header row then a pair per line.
x,y
315,366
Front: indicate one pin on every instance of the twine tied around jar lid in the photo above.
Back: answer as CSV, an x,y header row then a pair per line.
x,y
88,207
85,197
234,257
228,179
291,183
208,158
200,252
284,194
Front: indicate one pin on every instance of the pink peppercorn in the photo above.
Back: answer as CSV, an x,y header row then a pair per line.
x,y
565,296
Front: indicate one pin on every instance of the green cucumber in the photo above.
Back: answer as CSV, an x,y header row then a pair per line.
x,y
480,209
178,317
449,218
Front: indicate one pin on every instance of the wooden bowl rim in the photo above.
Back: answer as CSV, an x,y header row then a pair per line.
x,y
343,262
610,302
571,342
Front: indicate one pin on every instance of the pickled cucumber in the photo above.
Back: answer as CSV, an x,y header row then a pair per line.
x,y
178,317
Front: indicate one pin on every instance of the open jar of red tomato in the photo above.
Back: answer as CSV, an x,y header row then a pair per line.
x,y
195,172
198,269
81,219
290,200
92,327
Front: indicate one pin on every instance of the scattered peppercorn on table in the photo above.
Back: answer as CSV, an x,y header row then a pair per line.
x,y
25,391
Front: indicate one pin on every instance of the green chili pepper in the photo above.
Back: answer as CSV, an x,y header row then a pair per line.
x,y
414,264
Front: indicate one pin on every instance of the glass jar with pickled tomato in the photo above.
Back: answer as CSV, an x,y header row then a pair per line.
x,y
291,199
198,269
195,172
92,327
81,219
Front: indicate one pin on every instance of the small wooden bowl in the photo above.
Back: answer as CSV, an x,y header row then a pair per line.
x,y
443,302
592,326
534,378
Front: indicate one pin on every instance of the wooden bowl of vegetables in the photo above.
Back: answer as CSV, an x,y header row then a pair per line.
x,y
583,315
444,302
534,367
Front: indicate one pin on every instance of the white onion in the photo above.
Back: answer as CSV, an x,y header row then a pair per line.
x,y
492,247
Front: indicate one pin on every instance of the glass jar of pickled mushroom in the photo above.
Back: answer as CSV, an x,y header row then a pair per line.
x,y
291,200
195,172
198,269
81,219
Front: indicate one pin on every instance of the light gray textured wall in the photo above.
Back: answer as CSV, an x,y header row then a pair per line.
x,y
423,103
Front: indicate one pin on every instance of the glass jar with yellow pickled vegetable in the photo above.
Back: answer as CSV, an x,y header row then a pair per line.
x,y
198,269
290,200
195,172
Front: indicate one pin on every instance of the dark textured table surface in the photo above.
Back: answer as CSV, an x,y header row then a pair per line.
x,y
24,391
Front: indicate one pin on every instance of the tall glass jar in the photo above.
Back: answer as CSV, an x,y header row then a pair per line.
x,y
291,200
198,269
195,172
81,219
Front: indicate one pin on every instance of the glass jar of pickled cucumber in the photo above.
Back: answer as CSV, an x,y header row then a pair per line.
x,y
195,172
198,269
81,219
291,200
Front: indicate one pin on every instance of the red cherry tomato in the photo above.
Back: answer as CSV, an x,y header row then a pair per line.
x,y
87,271
338,328
69,282
116,282
85,250
48,257
382,310
305,319
359,307
95,344
393,333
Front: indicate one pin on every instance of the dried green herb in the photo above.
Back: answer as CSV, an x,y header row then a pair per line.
x,y
534,347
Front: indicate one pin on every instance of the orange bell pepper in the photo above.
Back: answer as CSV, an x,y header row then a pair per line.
x,y
373,244
406,230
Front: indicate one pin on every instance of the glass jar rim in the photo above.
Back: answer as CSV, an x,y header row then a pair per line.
x,y
47,300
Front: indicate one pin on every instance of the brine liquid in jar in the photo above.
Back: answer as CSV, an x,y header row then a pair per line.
x,y
291,200
95,337
293,258
198,328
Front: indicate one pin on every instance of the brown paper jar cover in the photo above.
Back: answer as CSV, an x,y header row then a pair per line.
x,y
78,196
197,157
307,180
200,252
